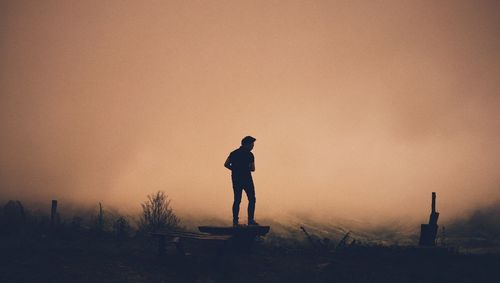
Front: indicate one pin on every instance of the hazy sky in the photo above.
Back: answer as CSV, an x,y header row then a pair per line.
x,y
360,108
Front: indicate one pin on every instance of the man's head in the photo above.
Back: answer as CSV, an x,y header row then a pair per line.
x,y
248,142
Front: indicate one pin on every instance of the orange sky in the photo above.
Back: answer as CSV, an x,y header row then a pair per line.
x,y
360,108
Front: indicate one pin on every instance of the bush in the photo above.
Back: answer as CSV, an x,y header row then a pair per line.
x,y
13,217
157,214
121,228
76,223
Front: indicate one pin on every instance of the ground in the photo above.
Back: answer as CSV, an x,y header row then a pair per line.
x,y
90,257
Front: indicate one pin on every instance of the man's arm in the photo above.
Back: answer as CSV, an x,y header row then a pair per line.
x,y
228,164
252,162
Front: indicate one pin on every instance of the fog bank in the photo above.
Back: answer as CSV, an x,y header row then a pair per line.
x,y
360,109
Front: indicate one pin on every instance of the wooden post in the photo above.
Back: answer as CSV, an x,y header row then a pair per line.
x,y
53,213
433,202
428,232
433,218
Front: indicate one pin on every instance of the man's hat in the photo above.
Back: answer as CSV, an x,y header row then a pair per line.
x,y
248,140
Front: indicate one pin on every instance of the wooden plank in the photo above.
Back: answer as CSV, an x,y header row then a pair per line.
x,y
187,234
242,230
193,236
177,236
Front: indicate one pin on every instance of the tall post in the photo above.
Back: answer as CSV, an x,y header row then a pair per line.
x,y
433,202
428,232
53,212
433,218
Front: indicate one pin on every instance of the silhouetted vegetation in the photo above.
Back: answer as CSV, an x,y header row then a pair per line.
x,y
121,228
35,251
98,224
13,218
157,214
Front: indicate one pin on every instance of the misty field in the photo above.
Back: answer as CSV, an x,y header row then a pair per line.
x,y
89,259
103,246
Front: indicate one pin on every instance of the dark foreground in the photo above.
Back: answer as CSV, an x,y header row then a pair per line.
x,y
92,258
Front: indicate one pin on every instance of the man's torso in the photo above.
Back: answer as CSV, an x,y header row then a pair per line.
x,y
240,162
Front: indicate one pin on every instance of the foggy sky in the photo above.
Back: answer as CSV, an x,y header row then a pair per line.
x,y
360,108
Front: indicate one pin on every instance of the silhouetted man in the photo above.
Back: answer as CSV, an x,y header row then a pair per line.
x,y
241,162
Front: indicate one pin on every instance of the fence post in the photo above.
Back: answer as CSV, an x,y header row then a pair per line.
x,y
53,213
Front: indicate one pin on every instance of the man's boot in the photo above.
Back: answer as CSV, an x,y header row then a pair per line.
x,y
252,222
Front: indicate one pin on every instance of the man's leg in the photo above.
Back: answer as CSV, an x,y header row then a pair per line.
x,y
250,191
237,189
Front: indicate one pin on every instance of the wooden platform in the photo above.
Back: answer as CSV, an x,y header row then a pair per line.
x,y
194,236
176,238
242,230
240,238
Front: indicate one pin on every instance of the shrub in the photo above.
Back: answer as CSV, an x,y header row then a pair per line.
x,y
14,217
121,228
76,223
157,214
98,222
